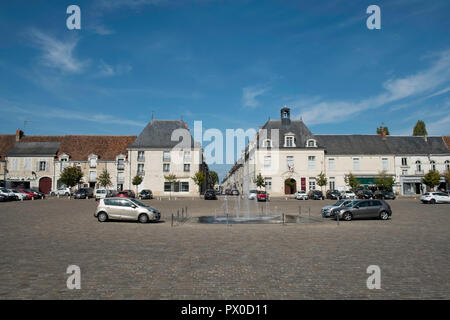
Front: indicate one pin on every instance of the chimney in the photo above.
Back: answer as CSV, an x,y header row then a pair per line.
x,y
19,134
383,134
425,137
285,116
186,126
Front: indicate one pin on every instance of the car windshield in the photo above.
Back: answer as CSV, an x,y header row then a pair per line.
x,y
253,191
138,203
339,203
351,204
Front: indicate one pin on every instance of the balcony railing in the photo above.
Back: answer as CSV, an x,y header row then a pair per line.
x,y
120,166
141,159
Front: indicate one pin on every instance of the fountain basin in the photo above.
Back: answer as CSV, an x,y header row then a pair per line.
x,y
239,220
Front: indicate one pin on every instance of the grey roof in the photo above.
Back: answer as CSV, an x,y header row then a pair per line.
x,y
158,133
374,144
23,149
301,131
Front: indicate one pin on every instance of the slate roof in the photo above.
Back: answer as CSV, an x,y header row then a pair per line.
x,y
34,149
301,131
7,141
373,144
447,141
158,133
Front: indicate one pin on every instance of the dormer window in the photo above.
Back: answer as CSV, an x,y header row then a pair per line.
x,y
92,161
64,160
289,141
267,143
311,143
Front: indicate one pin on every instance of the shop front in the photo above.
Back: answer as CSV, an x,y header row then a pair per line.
x,y
412,185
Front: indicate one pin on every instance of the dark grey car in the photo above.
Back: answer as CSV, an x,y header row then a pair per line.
x,y
363,209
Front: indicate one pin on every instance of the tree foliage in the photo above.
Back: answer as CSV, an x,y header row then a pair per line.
x,y
214,177
321,180
104,180
432,179
384,182
199,178
380,129
71,176
259,181
420,129
351,181
137,180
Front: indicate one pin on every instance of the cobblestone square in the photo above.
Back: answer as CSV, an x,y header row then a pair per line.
x,y
127,260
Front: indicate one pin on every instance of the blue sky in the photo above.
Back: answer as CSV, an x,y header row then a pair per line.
x,y
231,64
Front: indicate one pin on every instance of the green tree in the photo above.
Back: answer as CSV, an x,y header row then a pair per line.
x,y
104,180
420,129
71,176
351,181
384,182
259,181
380,129
321,180
137,180
214,177
432,179
199,178
447,176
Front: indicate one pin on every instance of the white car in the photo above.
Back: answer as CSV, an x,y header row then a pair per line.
x,y
100,194
301,195
252,194
61,192
348,195
435,197
8,193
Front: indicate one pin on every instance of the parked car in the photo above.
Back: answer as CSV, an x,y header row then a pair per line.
x,y
125,209
348,195
210,195
9,195
326,211
31,194
301,195
61,192
20,195
435,197
228,192
333,194
126,194
315,195
384,195
3,198
262,196
363,209
146,194
100,194
252,194
365,194
84,193
234,192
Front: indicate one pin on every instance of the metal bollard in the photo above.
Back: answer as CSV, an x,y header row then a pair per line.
x,y
337,216
283,218
172,221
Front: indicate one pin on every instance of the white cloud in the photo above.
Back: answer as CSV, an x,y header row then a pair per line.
x,y
249,95
106,70
395,90
57,54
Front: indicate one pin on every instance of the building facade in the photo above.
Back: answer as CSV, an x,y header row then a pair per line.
x,y
290,158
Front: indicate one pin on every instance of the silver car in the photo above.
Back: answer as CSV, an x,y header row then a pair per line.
x,y
326,211
125,209
252,194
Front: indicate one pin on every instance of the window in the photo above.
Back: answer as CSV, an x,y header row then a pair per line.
x,y
27,164
432,165
289,141
187,156
267,162
120,177
447,165
290,163
167,186
166,167
176,187
355,163
92,176
268,182
184,186
363,204
418,166
332,183
311,143
42,166
404,172
140,169
331,164
311,162
385,164
120,164
404,162
312,183
166,156
64,163
93,162
187,167
141,156
267,143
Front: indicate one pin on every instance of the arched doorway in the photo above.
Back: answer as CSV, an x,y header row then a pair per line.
x,y
45,185
290,186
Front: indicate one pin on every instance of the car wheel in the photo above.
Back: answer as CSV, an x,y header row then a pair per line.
x,y
432,201
52,194
347,216
143,218
66,194
384,215
102,217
